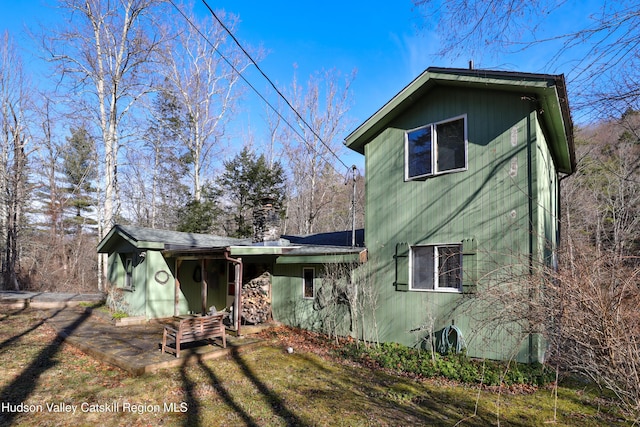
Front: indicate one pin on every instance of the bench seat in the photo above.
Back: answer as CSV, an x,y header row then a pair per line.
x,y
190,329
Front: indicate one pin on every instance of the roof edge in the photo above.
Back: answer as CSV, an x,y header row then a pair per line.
x,y
378,121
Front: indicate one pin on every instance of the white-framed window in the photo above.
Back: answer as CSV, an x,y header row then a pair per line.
x,y
436,148
308,282
436,268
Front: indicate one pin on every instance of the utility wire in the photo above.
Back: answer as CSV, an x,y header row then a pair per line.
x,y
284,98
233,67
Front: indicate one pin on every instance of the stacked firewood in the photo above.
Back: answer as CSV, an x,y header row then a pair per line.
x,y
256,299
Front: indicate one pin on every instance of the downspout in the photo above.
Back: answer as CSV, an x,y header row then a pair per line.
x,y
353,208
237,303
531,222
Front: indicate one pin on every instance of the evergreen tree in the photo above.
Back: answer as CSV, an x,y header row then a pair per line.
x,y
162,168
246,181
199,216
80,170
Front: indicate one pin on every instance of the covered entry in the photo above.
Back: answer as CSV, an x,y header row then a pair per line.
x,y
206,280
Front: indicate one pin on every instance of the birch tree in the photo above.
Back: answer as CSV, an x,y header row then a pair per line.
x,y
15,108
104,51
311,155
202,74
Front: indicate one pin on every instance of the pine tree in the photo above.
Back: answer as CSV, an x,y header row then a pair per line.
x,y
80,170
246,181
200,216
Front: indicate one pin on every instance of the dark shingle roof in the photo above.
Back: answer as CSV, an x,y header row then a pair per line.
x,y
312,244
171,239
335,238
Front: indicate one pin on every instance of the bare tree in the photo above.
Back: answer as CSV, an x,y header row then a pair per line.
x,y
347,300
202,73
105,50
605,193
586,310
597,46
46,251
15,109
311,155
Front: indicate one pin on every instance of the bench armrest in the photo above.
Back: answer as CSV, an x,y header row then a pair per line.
x,y
169,328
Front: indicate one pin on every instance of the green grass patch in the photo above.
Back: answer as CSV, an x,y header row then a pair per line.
x,y
114,314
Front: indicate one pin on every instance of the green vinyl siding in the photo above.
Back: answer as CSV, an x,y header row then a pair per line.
x,y
547,200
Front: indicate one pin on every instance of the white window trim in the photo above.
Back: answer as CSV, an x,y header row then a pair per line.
x,y
436,278
313,283
434,150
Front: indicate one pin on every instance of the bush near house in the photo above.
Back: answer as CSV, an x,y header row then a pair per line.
x,y
457,367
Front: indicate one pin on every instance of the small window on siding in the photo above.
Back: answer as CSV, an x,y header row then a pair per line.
x,y
308,282
128,268
436,267
436,148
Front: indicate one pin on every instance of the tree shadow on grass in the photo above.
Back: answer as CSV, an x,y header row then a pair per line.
x,y
276,402
215,382
193,413
24,384
14,338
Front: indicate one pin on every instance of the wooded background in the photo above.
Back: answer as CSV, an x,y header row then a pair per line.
x,y
134,131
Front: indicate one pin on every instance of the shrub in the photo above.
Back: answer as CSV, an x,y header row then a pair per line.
x,y
457,367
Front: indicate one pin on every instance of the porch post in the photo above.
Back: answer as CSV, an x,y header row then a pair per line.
x,y
237,304
176,300
204,285
237,301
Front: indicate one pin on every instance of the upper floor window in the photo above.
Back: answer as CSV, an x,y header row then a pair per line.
x,y
436,267
436,148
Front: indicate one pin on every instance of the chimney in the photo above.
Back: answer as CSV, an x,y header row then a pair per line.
x,y
266,222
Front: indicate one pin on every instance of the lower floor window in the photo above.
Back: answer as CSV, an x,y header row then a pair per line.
x,y
128,278
436,267
308,278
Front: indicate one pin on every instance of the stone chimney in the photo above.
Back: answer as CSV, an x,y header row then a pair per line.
x,y
266,222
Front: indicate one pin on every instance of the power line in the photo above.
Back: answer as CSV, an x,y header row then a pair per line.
x,y
233,67
284,98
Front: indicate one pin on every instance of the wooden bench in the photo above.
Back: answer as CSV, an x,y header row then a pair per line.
x,y
192,329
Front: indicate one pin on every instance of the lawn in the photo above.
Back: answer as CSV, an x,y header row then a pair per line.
x,y
47,382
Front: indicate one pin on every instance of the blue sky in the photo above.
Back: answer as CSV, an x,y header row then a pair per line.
x,y
378,39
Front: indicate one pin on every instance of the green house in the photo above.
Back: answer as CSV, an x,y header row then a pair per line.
x,y
462,195
462,212
160,273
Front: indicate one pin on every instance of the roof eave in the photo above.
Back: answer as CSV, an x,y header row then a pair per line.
x,y
118,232
550,88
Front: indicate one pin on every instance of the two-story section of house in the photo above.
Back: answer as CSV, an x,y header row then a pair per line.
x,y
462,196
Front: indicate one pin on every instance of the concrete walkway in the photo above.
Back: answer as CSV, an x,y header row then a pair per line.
x,y
133,348
22,299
